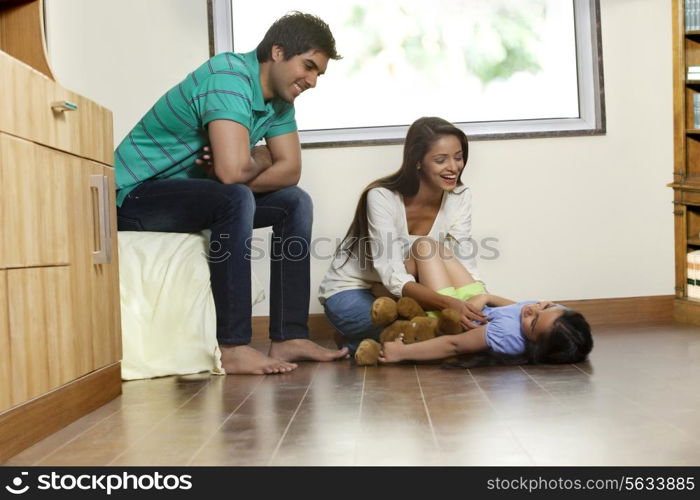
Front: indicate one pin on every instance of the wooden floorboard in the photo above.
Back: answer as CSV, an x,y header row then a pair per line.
x,y
144,406
251,435
394,418
325,428
635,402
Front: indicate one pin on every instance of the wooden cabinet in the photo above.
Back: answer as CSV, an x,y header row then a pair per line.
x,y
60,342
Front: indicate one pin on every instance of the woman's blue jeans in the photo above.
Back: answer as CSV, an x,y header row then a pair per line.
x,y
349,312
231,212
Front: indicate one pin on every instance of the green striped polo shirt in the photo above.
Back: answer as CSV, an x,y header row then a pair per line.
x,y
165,143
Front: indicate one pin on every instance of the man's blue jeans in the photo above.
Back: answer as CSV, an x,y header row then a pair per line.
x,y
231,211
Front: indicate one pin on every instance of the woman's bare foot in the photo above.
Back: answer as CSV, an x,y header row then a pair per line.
x,y
392,351
243,359
304,350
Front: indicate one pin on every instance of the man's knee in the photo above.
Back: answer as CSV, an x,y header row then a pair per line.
x,y
237,197
300,201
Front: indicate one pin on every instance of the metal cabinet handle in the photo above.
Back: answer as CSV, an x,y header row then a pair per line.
x,y
104,254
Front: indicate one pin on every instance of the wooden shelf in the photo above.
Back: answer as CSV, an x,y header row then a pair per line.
x,y
686,168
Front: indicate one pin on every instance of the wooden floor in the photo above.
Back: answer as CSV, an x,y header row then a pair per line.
x,y
636,402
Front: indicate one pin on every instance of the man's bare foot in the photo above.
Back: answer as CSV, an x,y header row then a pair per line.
x,y
304,350
243,359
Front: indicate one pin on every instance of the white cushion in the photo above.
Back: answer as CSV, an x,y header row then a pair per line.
x,y
167,307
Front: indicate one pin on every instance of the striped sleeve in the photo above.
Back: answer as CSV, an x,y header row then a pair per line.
x,y
283,123
223,97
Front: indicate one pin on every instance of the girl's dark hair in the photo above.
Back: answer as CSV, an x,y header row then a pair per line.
x,y
419,139
297,33
569,341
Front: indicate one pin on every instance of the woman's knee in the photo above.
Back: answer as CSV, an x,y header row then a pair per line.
x,y
427,248
424,248
350,314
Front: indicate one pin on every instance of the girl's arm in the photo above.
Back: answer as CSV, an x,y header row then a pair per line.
x,y
436,348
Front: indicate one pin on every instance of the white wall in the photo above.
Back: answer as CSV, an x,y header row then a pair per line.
x,y
124,54
575,218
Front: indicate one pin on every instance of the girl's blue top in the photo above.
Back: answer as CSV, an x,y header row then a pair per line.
x,y
503,332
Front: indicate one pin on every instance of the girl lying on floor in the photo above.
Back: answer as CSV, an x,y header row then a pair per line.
x,y
510,332
515,333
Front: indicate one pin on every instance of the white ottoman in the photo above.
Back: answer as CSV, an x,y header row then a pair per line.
x,y
167,308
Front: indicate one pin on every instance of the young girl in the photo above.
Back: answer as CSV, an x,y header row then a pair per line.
x,y
515,333
397,220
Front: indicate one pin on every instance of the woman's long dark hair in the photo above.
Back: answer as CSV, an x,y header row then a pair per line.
x,y
421,136
569,341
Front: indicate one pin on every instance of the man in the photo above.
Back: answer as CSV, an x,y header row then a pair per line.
x,y
230,103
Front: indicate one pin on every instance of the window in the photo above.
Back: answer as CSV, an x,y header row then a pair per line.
x,y
497,68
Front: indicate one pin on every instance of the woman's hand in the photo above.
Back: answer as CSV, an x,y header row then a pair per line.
x,y
469,312
478,302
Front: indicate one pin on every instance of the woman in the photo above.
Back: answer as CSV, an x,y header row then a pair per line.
x,y
424,198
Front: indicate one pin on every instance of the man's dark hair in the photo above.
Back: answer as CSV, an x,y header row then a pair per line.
x,y
297,33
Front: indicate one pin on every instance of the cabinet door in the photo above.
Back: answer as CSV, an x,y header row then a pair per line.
x,y
42,341
94,260
5,369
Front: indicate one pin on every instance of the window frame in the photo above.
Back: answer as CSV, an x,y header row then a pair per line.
x,y
591,91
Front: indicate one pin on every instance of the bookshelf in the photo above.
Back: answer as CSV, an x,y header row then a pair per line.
x,y
686,171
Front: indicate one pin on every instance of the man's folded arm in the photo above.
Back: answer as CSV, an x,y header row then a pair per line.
x,y
285,170
233,163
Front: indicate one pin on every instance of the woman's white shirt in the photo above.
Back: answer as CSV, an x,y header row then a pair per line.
x,y
390,243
